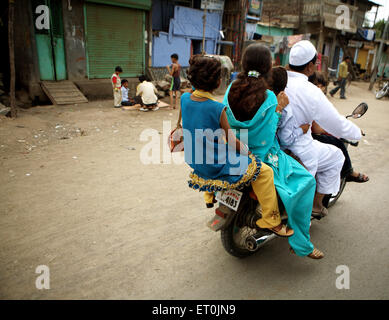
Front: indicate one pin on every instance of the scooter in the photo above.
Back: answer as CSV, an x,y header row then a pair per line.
x,y
237,213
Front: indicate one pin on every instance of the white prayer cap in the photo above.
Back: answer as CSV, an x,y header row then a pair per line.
x,y
301,53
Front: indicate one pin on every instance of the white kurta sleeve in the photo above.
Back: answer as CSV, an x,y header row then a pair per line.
x,y
331,121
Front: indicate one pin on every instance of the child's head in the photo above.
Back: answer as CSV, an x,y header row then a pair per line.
x,y
318,80
118,70
143,78
204,72
279,79
125,83
174,57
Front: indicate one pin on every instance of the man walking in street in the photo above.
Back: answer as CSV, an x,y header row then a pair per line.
x,y
343,73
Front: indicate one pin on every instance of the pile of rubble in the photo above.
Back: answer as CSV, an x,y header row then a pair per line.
x,y
4,98
163,86
22,99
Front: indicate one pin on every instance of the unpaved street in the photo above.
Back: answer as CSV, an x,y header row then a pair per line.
x,y
75,197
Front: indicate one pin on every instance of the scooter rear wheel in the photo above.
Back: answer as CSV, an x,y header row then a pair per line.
x,y
234,237
332,200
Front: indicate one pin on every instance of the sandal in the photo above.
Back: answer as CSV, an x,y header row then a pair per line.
x,y
284,232
360,178
322,213
315,254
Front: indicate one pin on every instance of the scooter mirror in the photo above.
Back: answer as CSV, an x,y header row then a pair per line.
x,y
360,110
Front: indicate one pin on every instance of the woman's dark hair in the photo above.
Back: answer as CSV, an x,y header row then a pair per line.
x,y
124,81
248,93
174,56
301,68
118,69
204,72
279,79
318,78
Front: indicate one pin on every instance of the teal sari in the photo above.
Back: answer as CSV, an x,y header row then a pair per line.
x,y
295,185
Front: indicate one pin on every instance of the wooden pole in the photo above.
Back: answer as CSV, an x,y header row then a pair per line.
x,y
204,23
11,11
321,33
375,18
379,56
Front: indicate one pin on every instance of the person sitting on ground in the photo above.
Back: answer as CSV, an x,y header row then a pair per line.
x,y
126,100
175,71
148,93
321,135
219,166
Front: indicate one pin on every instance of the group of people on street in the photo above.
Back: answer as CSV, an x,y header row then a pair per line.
x,y
146,96
270,110
146,93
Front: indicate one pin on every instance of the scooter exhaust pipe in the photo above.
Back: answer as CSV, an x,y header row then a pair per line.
x,y
254,242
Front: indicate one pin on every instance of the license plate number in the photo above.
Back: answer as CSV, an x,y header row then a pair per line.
x,y
230,198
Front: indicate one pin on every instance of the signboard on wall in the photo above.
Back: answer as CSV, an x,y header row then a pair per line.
x,y
212,4
255,7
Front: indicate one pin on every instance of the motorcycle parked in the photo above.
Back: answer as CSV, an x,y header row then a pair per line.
x,y
238,211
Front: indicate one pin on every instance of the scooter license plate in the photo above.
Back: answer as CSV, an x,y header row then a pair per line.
x,y
230,198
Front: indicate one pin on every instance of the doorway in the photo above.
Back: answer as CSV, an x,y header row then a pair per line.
x,y
49,37
196,47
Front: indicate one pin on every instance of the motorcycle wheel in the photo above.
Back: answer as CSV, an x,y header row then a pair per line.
x,y
333,200
234,237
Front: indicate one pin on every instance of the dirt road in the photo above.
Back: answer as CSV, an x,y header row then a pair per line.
x,y
76,197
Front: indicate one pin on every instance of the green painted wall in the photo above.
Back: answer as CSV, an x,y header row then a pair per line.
x,y
137,4
274,31
50,43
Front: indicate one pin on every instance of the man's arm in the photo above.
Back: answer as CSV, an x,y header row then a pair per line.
x,y
331,121
138,90
288,131
155,89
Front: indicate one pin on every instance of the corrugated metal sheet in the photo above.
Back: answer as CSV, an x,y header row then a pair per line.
x,y
114,37
138,4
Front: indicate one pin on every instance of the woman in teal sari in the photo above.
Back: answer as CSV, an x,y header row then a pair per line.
x,y
252,107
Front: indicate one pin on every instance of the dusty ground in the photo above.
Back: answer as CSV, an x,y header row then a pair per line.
x,y
75,197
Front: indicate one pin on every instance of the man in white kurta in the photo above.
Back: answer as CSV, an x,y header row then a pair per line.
x,y
308,103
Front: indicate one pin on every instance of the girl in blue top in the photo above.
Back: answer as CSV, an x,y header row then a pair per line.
x,y
219,165
251,106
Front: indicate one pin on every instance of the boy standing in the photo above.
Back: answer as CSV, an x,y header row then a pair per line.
x,y
116,85
176,81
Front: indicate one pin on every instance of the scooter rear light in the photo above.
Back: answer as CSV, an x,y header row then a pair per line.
x,y
220,213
